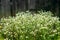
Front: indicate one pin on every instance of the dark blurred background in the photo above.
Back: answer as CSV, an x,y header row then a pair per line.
x,y
11,7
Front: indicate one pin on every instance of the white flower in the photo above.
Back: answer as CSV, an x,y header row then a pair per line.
x,y
54,30
26,36
38,24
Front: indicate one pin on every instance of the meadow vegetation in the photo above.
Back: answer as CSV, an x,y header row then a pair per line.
x,y
28,26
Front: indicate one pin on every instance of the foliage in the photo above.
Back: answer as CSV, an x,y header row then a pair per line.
x,y
27,26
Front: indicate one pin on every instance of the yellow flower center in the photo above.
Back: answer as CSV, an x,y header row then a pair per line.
x,y
0,27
